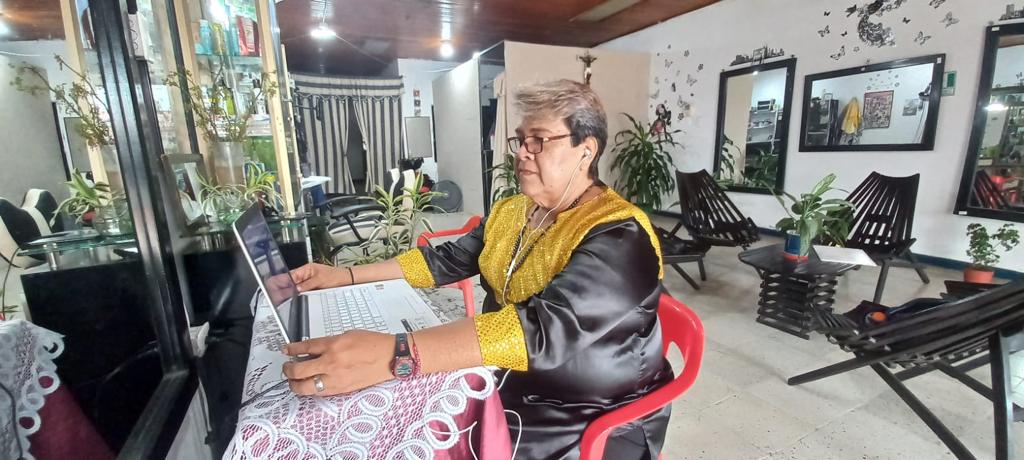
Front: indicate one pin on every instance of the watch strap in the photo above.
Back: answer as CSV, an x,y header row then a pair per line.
x,y
402,345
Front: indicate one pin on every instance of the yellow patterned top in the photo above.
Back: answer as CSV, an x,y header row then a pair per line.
x,y
501,337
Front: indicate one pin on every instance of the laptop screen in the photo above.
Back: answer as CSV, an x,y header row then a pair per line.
x,y
266,257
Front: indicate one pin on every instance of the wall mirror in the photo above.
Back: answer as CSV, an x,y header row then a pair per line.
x,y
993,180
887,106
186,175
753,120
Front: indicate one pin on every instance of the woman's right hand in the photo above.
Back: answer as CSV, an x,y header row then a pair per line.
x,y
311,277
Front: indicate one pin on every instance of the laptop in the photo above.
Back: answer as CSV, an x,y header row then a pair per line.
x,y
383,306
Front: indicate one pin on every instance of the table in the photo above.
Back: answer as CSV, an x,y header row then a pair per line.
x,y
98,246
434,416
793,292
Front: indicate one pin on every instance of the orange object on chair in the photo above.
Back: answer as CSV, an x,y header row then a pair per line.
x,y
465,285
679,325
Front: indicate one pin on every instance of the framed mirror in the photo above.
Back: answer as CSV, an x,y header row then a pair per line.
x,y
992,184
753,121
879,107
186,175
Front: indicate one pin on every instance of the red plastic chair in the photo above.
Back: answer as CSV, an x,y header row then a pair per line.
x,y
679,325
465,285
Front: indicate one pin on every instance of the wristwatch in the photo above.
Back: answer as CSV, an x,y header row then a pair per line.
x,y
405,365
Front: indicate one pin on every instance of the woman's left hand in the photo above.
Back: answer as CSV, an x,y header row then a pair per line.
x,y
345,363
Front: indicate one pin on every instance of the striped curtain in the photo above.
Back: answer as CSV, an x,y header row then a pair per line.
x,y
328,103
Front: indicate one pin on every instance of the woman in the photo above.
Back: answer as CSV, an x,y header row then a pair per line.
x,y
571,273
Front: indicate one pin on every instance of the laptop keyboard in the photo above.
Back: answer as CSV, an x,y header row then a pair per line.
x,y
351,309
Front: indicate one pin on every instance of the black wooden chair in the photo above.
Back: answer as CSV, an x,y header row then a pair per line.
x,y
989,195
710,218
883,223
930,334
709,215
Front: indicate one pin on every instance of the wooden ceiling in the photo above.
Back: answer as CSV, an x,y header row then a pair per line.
x,y
379,31
31,20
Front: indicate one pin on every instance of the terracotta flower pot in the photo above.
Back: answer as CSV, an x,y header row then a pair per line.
x,y
978,275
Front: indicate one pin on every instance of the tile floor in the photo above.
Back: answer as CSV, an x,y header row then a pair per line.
x,y
742,408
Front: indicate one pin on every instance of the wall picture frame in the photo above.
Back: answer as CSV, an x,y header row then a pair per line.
x,y
877,112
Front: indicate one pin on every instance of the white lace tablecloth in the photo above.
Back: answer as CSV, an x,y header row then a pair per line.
x,y
416,419
27,370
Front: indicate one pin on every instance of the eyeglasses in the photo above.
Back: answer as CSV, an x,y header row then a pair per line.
x,y
534,144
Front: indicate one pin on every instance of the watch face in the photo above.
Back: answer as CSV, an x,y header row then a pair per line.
x,y
403,368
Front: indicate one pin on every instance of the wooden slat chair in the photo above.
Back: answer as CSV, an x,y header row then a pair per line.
x,y
711,219
951,337
989,195
883,224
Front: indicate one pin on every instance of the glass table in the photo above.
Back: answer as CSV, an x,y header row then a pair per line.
x,y
97,246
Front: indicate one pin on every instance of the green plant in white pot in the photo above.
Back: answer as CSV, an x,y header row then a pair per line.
x,y
646,169
812,216
397,224
983,250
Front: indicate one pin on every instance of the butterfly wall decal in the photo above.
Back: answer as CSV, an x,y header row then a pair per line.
x,y
851,11
840,54
690,80
824,32
906,21
921,38
828,13
936,3
949,19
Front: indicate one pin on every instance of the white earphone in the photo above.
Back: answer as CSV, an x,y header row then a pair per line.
x,y
586,153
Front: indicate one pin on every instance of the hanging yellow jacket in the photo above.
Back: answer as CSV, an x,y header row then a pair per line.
x,y
851,121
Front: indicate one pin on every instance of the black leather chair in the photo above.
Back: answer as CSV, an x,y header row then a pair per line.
x,y
20,225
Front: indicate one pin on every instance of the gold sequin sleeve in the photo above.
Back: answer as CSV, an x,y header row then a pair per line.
x,y
502,342
415,269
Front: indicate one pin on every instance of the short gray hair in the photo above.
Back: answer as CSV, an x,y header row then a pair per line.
x,y
575,104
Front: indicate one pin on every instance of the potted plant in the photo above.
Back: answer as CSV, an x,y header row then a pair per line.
x,y
983,250
506,179
110,209
811,216
80,99
645,165
222,124
223,204
396,225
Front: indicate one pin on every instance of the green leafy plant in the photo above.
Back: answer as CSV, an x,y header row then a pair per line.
x,y
396,225
259,185
727,163
214,111
764,172
508,182
983,246
80,98
226,202
812,216
85,197
645,165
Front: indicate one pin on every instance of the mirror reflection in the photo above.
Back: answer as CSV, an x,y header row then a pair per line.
x,y
997,177
753,121
888,106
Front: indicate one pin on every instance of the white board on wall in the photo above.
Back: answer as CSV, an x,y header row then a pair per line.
x,y
418,142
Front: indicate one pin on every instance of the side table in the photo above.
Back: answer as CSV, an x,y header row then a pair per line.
x,y
793,292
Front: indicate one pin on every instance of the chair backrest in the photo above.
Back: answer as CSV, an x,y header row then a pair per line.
x,y
679,325
986,193
466,285
955,328
884,213
709,214
43,206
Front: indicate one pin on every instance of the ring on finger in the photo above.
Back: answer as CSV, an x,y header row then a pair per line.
x,y
318,383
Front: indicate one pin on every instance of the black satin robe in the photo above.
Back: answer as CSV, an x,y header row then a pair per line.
x,y
592,338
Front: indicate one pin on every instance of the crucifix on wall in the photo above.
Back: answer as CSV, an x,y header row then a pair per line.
x,y
587,71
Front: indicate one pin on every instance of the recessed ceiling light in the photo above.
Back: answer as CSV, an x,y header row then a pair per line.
x,y
322,32
447,50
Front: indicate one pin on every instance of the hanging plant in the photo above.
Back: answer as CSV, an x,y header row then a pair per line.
x,y
645,165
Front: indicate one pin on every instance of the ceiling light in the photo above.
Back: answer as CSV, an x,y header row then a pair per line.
x,y
4,30
447,50
604,10
476,55
995,107
322,32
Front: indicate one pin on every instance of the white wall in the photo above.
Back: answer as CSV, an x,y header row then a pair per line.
x,y
30,155
457,129
713,35
769,85
1009,62
417,74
